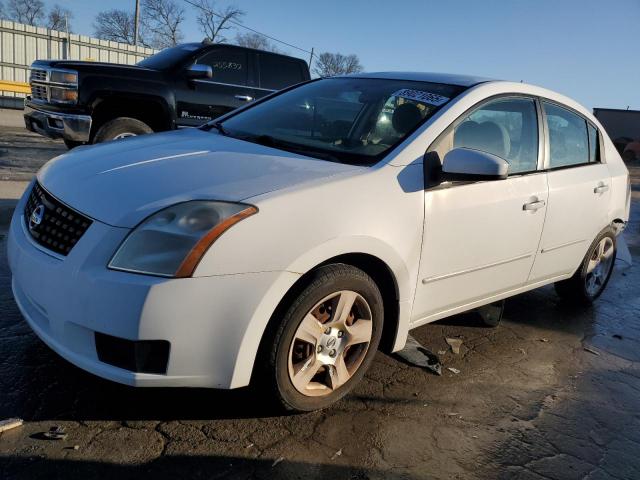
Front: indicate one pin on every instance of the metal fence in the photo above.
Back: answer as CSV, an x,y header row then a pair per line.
x,y
21,44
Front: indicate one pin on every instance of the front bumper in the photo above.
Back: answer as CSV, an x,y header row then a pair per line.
x,y
73,127
206,320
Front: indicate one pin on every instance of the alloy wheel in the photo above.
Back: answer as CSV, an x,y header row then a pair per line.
x,y
599,266
330,343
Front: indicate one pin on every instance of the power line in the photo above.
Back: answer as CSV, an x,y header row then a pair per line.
x,y
238,24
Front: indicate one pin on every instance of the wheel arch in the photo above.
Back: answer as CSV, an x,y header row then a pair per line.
x,y
148,109
388,280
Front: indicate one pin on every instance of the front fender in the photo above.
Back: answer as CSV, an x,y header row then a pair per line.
x,y
335,247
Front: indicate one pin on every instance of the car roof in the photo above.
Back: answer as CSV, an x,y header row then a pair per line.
x,y
447,78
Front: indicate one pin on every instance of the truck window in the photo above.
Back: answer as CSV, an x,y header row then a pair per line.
x,y
228,66
277,72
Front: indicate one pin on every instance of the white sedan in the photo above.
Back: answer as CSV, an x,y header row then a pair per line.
x,y
289,240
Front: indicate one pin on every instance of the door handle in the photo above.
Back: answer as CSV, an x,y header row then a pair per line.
x,y
601,188
244,98
533,206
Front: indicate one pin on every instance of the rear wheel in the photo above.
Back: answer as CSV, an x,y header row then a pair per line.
x,y
326,340
120,128
592,277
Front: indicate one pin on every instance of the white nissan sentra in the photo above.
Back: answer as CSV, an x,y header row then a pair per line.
x,y
292,238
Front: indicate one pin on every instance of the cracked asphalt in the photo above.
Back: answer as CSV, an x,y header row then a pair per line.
x,y
529,403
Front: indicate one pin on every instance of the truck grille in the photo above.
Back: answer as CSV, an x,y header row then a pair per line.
x,y
54,226
39,92
38,75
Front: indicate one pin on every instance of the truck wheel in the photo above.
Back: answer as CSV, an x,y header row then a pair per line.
x,y
119,128
326,340
71,144
595,270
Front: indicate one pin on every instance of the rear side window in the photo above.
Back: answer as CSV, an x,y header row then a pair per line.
x,y
228,66
594,144
277,72
568,138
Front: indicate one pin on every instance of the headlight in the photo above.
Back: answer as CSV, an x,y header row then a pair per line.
x,y
171,243
63,95
62,76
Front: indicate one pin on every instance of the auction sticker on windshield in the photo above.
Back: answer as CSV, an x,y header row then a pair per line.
x,y
421,96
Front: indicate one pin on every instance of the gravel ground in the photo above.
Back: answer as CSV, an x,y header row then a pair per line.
x,y
529,402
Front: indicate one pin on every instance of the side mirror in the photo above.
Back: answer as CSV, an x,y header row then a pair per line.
x,y
199,71
467,164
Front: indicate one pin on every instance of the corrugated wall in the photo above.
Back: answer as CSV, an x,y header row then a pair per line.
x,y
21,44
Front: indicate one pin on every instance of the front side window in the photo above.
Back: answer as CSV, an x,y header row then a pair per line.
x,y
568,139
228,66
507,128
350,120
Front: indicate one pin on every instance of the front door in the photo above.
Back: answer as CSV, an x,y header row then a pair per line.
x,y
579,193
480,238
201,100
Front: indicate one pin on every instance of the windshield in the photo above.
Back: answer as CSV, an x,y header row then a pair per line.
x,y
349,120
168,57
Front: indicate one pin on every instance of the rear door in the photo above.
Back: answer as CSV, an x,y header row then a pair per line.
x,y
579,192
276,72
230,87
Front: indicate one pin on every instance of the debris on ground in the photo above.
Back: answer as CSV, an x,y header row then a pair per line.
x,y
415,354
491,314
455,344
10,423
249,446
453,414
454,370
522,351
545,340
277,461
336,455
441,352
55,433
591,350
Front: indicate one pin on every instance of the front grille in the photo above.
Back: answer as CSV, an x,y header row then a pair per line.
x,y
54,225
39,92
38,75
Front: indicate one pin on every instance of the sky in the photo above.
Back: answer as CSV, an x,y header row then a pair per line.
x,y
586,49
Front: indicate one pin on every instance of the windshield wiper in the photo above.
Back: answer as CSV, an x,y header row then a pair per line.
x,y
218,126
269,141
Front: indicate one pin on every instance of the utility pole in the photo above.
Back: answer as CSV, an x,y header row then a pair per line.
x,y
136,22
311,58
66,26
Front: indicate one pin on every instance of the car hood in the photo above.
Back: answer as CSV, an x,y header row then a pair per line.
x,y
121,183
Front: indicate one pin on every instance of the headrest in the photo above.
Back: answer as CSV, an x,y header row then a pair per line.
x,y
405,118
486,136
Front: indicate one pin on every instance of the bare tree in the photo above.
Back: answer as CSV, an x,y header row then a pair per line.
x,y
329,64
30,12
59,18
161,20
116,25
255,40
213,24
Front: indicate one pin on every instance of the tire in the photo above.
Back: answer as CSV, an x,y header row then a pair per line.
x,y
120,128
286,353
71,144
591,278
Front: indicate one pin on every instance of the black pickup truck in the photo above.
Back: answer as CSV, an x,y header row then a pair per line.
x,y
183,86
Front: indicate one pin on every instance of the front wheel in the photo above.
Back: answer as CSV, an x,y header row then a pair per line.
x,y
120,128
326,339
592,277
